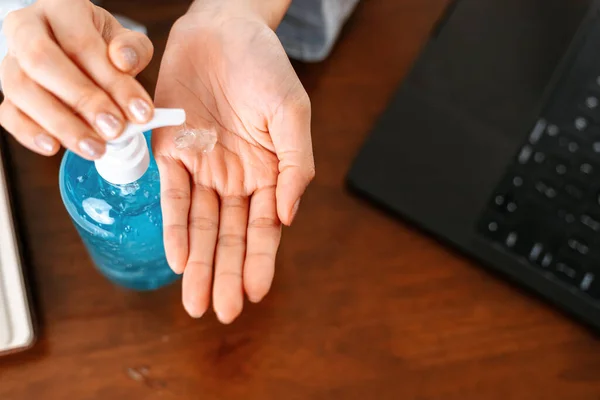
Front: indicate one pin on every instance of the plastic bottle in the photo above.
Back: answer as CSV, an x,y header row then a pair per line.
x,y
114,203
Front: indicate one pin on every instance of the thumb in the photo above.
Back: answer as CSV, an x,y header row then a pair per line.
x,y
290,132
128,50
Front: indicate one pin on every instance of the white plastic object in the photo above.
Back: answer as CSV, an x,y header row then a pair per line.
x,y
16,325
127,158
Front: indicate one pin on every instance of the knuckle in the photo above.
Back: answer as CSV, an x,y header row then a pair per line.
x,y
174,232
264,223
68,130
88,99
176,194
199,263
228,273
262,254
175,228
69,136
36,53
234,202
231,240
121,84
13,80
77,48
203,224
13,21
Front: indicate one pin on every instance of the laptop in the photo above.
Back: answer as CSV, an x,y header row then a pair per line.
x,y
492,145
16,322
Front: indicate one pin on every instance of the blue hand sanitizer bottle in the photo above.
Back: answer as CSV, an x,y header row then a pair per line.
x,y
114,203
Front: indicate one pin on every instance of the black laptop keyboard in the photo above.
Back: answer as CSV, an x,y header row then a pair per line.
x,y
546,209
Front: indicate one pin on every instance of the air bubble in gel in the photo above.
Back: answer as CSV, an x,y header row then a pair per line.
x,y
198,139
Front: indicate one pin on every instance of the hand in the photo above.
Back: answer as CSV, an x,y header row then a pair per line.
x,y
69,77
224,208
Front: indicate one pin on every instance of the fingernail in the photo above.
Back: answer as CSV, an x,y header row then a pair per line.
x,y
91,147
140,110
44,142
295,209
109,125
130,57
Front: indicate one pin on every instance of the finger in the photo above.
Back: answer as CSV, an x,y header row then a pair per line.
x,y
26,131
290,131
175,205
85,45
46,64
203,230
49,113
130,51
228,293
264,235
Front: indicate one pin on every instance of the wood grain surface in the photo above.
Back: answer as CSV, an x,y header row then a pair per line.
x,y
363,306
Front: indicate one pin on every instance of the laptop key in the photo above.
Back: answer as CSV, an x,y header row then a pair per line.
x,y
494,228
546,260
546,189
581,123
590,284
591,222
537,131
568,271
575,191
578,246
552,130
569,144
587,169
525,154
592,102
511,239
536,252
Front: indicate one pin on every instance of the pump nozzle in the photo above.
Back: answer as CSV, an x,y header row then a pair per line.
x,y
127,158
162,117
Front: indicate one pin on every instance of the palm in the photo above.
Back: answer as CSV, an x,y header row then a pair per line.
x,y
220,96
232,81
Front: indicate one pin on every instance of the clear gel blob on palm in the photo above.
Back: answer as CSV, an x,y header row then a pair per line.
x,y
120,225
202,140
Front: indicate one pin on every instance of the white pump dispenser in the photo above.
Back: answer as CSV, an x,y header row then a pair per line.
x,y
127,158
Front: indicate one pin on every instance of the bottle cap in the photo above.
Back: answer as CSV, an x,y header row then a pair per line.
x,y
127,158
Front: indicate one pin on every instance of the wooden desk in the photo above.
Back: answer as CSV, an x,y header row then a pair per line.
x,y
363,307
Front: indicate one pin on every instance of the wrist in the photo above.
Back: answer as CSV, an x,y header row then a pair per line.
x,y
271,12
